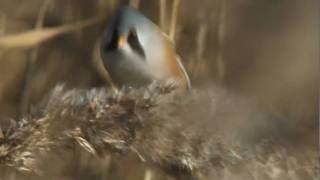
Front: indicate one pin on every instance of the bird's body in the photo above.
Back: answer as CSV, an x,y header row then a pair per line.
x,y
136,53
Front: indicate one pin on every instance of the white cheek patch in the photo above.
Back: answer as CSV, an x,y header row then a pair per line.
x,y
135,62
155,55
150,41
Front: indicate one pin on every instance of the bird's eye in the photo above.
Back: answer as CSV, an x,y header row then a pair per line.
x,y
134,43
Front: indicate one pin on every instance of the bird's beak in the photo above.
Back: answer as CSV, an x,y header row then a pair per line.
x,y
122,41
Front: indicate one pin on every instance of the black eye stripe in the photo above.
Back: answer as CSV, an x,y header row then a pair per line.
x,y
112,41
134,43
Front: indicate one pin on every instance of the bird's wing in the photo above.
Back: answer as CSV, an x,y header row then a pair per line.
x,y
169,42
184,71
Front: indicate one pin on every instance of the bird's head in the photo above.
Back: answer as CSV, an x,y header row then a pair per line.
x,y
135,51
125,32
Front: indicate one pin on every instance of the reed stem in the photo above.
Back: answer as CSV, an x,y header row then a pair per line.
x,y
135,3
174,17
162,14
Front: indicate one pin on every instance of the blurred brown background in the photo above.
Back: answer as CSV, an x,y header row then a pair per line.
x,y
264,50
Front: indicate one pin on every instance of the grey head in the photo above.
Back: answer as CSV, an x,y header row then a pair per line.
x,y
124,47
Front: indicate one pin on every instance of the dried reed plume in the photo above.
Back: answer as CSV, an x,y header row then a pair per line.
x,y
152,124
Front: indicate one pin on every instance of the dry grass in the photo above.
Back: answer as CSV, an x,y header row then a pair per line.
x,y
147,124
35,37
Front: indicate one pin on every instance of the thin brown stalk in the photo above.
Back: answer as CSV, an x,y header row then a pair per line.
x,y
148,174
3,21
199,62
2,52
174,17
162,14
113,3
26,90
201,38
221,69
135,3
42,14
33,38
